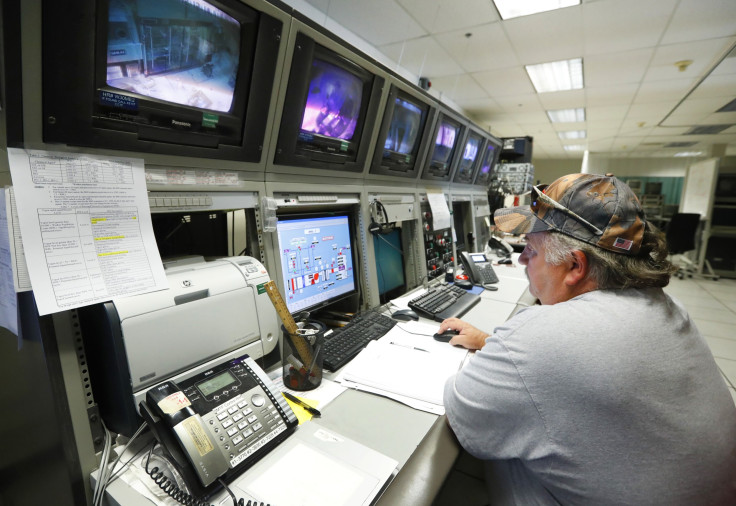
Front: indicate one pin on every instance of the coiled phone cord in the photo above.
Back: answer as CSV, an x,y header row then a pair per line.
x,y
172,490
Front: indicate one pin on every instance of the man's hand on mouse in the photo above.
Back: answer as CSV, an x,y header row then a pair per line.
x,y
469,336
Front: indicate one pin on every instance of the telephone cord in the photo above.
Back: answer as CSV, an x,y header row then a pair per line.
x,y
172,490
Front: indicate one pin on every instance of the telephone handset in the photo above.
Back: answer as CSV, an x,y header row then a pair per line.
x,y
500,247
218,423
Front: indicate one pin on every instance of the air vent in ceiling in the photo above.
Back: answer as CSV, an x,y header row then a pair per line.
x,y
680,144
707,129
729,107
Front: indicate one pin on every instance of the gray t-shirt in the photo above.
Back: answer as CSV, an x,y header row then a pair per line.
x,y
612,397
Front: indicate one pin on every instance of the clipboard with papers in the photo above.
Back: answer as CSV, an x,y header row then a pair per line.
x,y
406,365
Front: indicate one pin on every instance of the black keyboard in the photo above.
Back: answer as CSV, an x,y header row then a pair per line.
x,y
346,342
444,301
487,275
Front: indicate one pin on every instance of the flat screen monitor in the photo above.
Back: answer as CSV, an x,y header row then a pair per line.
x,y
330,102
185,77
459,210
448,133
316,260
472,154
403,135
491,152
726,186
389,264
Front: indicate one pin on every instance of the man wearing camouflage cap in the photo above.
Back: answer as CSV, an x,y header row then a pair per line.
x,y
606,393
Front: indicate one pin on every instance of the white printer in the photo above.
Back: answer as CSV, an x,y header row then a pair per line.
x,y
212,311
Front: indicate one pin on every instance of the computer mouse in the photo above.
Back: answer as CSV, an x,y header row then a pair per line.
x,y
504,261
404,315
446,335
464,283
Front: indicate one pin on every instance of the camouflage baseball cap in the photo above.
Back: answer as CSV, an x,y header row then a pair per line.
x,y
600,210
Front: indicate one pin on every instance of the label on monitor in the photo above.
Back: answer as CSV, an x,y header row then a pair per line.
x,y
118,101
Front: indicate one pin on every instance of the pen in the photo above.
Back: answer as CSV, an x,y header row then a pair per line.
x,y
407,346
297,400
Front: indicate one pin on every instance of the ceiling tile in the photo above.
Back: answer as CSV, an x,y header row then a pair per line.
x,y
717,86
438,16
622,94
379,21
519,104
623,25
562,99
670,91
487,48
696,19
505,82
422,57
616,68
607,112
530,35
458,87
702,53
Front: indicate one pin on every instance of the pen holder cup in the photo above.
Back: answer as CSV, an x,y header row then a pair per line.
x,y
302,356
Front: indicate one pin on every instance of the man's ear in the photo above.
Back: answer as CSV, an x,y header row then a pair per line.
x,y
577,268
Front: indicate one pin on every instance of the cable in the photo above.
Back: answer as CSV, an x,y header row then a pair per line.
x,y
172,490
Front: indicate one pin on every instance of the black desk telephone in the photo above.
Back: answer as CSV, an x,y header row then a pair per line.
x,y
482,274
218,423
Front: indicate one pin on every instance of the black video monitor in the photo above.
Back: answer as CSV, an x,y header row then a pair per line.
x,y
389,264
181,77
403,136
317,259
470,159
448,132
331,102
491,152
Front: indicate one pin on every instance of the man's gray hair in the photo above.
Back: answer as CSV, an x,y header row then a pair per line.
x,y
650,268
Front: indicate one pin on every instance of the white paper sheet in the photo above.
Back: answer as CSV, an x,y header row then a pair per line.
x,y
406,363
86,228
289,481
440,211
8,299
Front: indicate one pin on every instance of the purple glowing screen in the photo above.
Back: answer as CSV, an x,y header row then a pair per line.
x,y
333,101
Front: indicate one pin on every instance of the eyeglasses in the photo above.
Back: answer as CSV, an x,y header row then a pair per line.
x,y
539,199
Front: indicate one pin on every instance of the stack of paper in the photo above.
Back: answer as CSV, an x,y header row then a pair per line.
x,y
406,365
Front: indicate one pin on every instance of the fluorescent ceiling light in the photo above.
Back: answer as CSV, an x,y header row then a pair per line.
x,y
514,8
689,153
567,115
572,134
575,147
557,75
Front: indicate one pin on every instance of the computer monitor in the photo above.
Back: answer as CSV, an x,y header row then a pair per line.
x,y
331,102
472,154
726,186
182,77
389,264
491,152
316,259
447,135
459,212
404,135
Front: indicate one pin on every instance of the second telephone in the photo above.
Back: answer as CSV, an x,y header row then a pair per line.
x,y
478,268
219,422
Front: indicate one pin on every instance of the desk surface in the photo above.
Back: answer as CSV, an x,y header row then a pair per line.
x,y
421,442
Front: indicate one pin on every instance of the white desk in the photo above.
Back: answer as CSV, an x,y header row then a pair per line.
x,y
421,443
